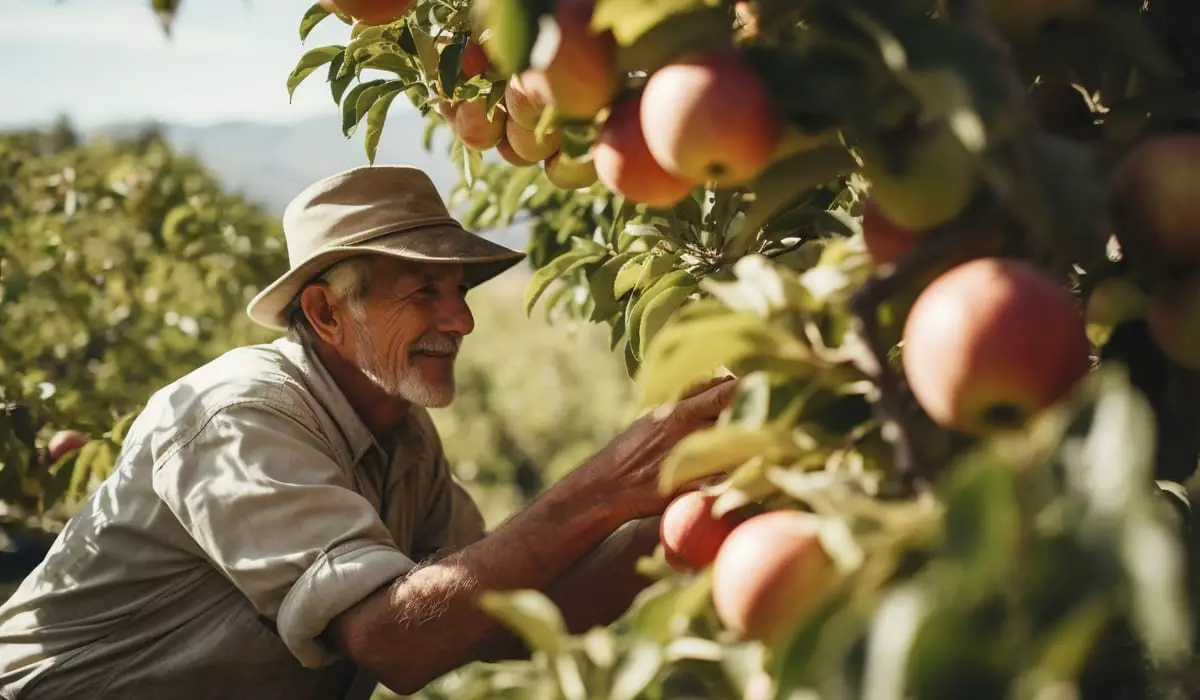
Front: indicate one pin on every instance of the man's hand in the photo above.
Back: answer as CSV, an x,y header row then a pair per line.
x,y
625,472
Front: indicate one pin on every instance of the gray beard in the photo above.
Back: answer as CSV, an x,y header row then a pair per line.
x,y
407,385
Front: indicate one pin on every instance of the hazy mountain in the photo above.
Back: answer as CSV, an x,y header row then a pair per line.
x,y
270,163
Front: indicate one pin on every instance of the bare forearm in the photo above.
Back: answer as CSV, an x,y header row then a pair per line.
x,y
597,590
428,623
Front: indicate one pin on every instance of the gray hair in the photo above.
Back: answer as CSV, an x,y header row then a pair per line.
x,y
349,280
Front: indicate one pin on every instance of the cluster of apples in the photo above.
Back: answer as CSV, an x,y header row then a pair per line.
x,y
769,568
704,117
511,127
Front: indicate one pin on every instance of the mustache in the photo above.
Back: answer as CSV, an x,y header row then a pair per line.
x,y
438,342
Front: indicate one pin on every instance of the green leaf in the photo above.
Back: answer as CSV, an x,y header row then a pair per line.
x,y
1073,640
431,126
720,450
633,321
89,454
637,669
366,100
659,311
630,19
982,521
494,97
688,352
693,29
449,65
514,27
310,61
530,614
311,19
121,427
427,52
363,42
376,118
602,284
407,43
350,114
785,182
393,63
642,272
471,166
514,189
617,332
338,85
556,268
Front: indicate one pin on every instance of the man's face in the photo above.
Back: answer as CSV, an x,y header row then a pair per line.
x,y
410,329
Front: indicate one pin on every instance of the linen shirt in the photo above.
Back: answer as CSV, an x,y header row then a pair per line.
x,y
249,506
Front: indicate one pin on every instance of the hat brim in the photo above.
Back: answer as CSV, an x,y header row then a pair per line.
x,y
481,260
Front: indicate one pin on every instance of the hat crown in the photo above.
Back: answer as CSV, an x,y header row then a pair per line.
x,y
359,204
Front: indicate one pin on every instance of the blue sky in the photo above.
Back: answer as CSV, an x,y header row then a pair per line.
x,y
101,61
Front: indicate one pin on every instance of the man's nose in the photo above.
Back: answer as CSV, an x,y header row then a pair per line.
x,y
456,317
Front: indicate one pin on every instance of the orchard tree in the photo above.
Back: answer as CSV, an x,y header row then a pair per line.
x,y
124,265
947,246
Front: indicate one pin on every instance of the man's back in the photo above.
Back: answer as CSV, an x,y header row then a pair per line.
x,y
210,561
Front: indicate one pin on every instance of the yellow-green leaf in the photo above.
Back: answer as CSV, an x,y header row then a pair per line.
x,y
629,19
530,614
631,271
310,61
556,268
603,286
719,450
687,352
312,18
633,320
376,117
659,311
637,670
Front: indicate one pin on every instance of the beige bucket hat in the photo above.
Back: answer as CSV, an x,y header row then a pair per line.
x,y
386,210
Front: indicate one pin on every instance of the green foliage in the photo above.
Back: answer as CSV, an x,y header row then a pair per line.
x,y
125,265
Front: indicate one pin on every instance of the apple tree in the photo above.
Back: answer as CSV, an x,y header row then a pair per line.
x,y
124,265
946,245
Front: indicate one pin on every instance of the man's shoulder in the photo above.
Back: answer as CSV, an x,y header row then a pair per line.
x,y
264,375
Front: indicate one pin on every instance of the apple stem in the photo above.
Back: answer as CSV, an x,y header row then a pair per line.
x,y
716,171
1004,415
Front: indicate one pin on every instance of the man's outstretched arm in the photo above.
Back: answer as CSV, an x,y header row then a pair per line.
x,y
427,622
595,591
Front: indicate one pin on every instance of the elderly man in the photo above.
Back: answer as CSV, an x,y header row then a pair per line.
x,y
282,522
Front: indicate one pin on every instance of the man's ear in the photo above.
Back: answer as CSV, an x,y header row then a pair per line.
x,y
325,314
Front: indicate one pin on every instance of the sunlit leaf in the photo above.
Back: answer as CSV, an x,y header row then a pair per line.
x,y
530,614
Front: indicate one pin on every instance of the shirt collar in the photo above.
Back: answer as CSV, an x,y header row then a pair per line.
x,y
329,395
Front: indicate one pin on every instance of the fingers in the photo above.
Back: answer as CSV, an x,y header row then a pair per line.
x,y
707,403
704,386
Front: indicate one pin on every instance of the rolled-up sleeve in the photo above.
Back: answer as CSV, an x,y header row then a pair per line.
x,y
275,514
